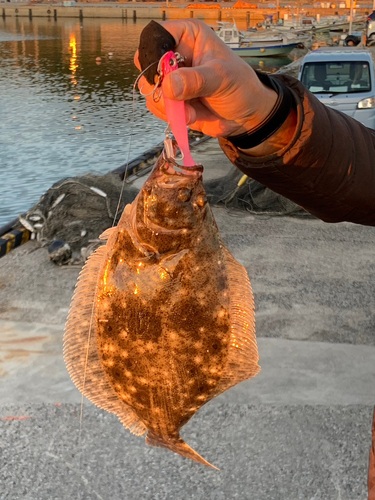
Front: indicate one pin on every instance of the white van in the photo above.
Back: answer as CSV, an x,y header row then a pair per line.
x,y
370,29
342,78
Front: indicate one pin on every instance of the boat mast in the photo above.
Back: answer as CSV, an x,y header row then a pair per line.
x,y
351,17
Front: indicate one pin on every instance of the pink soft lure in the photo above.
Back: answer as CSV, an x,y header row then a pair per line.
x,y
175,111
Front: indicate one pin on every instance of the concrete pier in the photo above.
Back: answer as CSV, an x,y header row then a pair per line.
x,y
129,11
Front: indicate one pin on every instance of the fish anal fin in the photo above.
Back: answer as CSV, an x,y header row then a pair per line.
x,y
80,346
177,445
130,421
242,362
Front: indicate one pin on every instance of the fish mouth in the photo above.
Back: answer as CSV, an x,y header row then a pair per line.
x,y
169,176
176,173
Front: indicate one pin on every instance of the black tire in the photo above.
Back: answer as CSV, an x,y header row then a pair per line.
x,y
351,41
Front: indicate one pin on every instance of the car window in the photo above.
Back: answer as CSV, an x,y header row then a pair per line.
x,y
327,77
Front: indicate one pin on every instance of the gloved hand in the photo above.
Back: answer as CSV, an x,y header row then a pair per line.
x,y
224,96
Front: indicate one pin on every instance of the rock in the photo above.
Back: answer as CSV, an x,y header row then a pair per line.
x,y
59,252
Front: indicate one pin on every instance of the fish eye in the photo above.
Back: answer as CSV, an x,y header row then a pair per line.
x,y
184,194
147,190
201,200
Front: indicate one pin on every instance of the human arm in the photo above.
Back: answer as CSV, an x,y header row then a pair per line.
x,y
319,158
328,167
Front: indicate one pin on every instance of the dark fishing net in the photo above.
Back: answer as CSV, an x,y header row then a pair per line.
x,y
250,195
77,210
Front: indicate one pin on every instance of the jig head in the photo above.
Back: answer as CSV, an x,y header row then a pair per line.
x,y
175,111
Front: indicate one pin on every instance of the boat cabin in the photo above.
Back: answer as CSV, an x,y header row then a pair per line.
x,y
230,35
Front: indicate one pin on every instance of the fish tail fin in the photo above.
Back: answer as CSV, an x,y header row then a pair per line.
x,y
177,445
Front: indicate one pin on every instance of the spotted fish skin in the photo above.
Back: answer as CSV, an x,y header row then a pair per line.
x,y
168,335
163,328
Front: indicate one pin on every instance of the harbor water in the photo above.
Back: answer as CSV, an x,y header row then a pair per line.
x,y
67,106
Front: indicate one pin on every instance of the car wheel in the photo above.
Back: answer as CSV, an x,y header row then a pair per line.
x,y
351,41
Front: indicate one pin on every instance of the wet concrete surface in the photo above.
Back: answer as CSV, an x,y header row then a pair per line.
x,y
312,281
293,372
299,430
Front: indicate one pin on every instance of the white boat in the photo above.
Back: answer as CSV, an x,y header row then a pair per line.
x,y
300,36
256,44
316,24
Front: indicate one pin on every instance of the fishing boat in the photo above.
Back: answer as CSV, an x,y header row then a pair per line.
x,y
256,44
318,24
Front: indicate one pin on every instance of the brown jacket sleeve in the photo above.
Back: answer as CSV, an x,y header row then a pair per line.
x,y
328,168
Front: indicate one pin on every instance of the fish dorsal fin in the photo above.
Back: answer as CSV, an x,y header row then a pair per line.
x,y
242,362
80,346
107,233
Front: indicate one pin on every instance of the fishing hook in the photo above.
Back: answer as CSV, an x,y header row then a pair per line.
x,y
141,74
168,152
156,94
157,84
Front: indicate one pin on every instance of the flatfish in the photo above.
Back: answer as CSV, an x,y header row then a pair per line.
x,y
162,318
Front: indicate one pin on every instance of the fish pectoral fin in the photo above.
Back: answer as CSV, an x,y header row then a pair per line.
x,y
107,233
170,262
177,445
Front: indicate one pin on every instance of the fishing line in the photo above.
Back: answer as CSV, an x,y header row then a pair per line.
x,y
84,379
113,223
131,132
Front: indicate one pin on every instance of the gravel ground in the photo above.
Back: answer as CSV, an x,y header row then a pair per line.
x,y
263,452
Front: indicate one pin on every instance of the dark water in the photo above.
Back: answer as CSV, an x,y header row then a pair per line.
x,y
62,113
